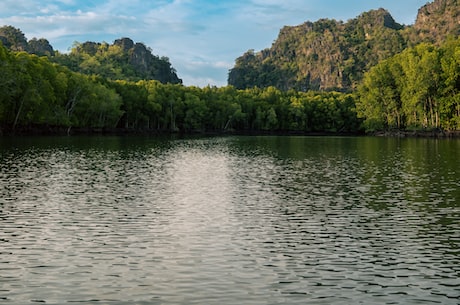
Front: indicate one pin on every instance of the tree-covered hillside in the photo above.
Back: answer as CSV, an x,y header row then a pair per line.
x,y
123,59
334,55
437,20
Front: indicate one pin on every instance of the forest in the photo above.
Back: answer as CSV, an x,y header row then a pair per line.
x,y
413,86
37,92
417,89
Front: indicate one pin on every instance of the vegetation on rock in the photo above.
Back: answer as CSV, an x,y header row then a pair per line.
x,y
123,59
334,55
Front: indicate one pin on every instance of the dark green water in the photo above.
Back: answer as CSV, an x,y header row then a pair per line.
x,y
233,220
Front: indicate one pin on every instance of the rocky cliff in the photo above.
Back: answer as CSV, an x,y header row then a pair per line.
x,y
333,55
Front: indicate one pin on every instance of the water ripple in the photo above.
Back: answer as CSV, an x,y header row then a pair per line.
x,y
261,220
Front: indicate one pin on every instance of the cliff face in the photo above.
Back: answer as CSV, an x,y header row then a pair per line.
x,y
329,54
140,59
326,54
438,19
124,43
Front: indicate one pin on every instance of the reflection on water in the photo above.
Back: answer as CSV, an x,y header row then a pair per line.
x,y
235,220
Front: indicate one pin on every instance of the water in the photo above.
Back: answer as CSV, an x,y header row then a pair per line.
x,y
232,220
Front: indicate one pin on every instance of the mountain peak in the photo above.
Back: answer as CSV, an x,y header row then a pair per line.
x,y
378,18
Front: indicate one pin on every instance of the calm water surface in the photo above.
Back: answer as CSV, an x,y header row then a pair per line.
x,y
234,220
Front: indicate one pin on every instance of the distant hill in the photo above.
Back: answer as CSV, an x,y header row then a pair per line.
x,y
14,40
122,60
333,55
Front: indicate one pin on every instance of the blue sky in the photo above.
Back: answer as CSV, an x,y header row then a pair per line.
x,y
202,38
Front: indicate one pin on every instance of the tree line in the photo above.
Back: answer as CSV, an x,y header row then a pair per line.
x,y
416,89
34,92
152,105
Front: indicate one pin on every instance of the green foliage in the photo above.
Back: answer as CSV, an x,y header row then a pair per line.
x,y
282,89
35,91
417,89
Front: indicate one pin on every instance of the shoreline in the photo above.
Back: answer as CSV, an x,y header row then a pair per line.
x,y
417,134
65,131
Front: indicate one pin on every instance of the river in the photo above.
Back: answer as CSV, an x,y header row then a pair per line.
x,y
229,220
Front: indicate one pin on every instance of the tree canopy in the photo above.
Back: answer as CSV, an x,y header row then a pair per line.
x,y
417,89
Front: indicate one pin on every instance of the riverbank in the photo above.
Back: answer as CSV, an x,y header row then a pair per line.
x,y
58,130
418,134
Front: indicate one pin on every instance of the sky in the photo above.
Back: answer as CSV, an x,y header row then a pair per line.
x,y
201,38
